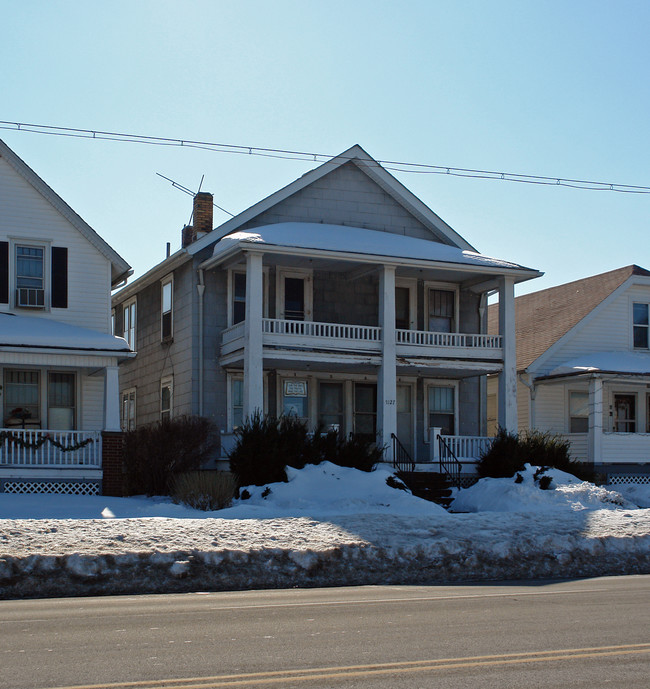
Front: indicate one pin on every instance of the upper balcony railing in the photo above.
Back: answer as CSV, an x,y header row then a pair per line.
x,y
366,338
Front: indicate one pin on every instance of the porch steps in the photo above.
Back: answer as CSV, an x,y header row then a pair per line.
x,y
428,485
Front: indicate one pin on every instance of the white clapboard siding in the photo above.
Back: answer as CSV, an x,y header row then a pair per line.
x,y
92,403
608,330
26,215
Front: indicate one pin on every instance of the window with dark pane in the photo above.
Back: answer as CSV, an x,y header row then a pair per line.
x,y
641,324
239,298
441,311
442,409
294,299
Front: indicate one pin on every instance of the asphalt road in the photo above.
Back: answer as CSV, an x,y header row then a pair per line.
x,y
581,633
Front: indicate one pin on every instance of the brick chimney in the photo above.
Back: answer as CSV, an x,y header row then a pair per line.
x,y
202,214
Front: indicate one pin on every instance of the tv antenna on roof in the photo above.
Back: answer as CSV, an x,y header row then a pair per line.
x,y
188,191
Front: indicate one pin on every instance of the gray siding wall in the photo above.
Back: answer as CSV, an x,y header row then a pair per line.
x,y
338,300
345,196
156,360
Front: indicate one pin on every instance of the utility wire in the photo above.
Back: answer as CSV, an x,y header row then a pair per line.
x,y
392,165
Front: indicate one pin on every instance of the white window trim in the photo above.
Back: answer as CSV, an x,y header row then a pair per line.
x,y
439,383
127,305
231,292
239,375
167,280
631,333
300,274
126,393
44,244
567,416
447,287
165,382
412,285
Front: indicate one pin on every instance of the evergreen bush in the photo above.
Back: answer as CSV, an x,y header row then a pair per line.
x,y
511,451
155,454
266,445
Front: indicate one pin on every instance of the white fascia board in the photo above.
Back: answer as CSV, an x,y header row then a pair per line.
x,y
519,275
120,269
541,359
151,276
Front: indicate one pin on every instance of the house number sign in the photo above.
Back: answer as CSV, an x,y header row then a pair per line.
x,y
295,388
391,402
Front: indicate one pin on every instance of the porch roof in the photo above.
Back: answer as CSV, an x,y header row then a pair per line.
x,y
621,363
44,333
355,243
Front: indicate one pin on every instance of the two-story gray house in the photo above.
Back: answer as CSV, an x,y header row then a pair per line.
x,y
341,299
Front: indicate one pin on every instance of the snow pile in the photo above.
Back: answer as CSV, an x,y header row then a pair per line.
x,y
326,489
327,526
522,493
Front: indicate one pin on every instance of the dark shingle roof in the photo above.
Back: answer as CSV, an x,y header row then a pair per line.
x,y
542,318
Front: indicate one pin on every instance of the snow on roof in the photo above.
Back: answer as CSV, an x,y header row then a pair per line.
x,y
340,238
29,331
611,362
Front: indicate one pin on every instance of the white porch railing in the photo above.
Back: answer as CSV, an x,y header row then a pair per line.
x,y
431,339
45,448
468,447
341,336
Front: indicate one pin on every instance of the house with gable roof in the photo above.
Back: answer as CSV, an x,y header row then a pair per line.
x,y
59,392
341,299
583,367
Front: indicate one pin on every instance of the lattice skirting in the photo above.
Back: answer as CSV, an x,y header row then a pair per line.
x,y
52,487
639,479
468,481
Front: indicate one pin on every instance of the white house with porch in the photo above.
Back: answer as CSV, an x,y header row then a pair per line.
x,y
583,362
341,299
59,389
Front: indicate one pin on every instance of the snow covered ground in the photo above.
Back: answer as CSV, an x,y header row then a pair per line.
x,y
326,526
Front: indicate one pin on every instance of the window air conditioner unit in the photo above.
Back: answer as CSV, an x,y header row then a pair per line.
x,y
32,297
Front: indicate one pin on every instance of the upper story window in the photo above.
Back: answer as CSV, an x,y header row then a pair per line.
x,y
166,318
129,322
441,309
30,276
640,325
238,297
294,295
33,275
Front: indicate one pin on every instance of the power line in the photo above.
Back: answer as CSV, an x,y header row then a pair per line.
x,y
392,165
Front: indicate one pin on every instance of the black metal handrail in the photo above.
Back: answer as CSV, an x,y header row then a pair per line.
x,y
449,464
402,460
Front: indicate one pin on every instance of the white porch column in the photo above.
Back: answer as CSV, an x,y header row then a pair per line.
x,y
387,380
508,376
111,399
595,420
253,351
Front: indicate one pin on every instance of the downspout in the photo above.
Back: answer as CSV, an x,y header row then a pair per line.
x,y
200,288
533,391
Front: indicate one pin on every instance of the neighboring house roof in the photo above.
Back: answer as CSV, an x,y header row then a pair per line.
x,y
440,230
43,333
120,269
369,244
632,363
542,318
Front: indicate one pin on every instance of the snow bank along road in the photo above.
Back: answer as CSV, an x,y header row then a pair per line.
x,y
48,557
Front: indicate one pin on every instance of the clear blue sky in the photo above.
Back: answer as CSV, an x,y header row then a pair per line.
x,y
557,88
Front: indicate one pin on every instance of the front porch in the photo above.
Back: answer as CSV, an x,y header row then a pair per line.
x,y
50,461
